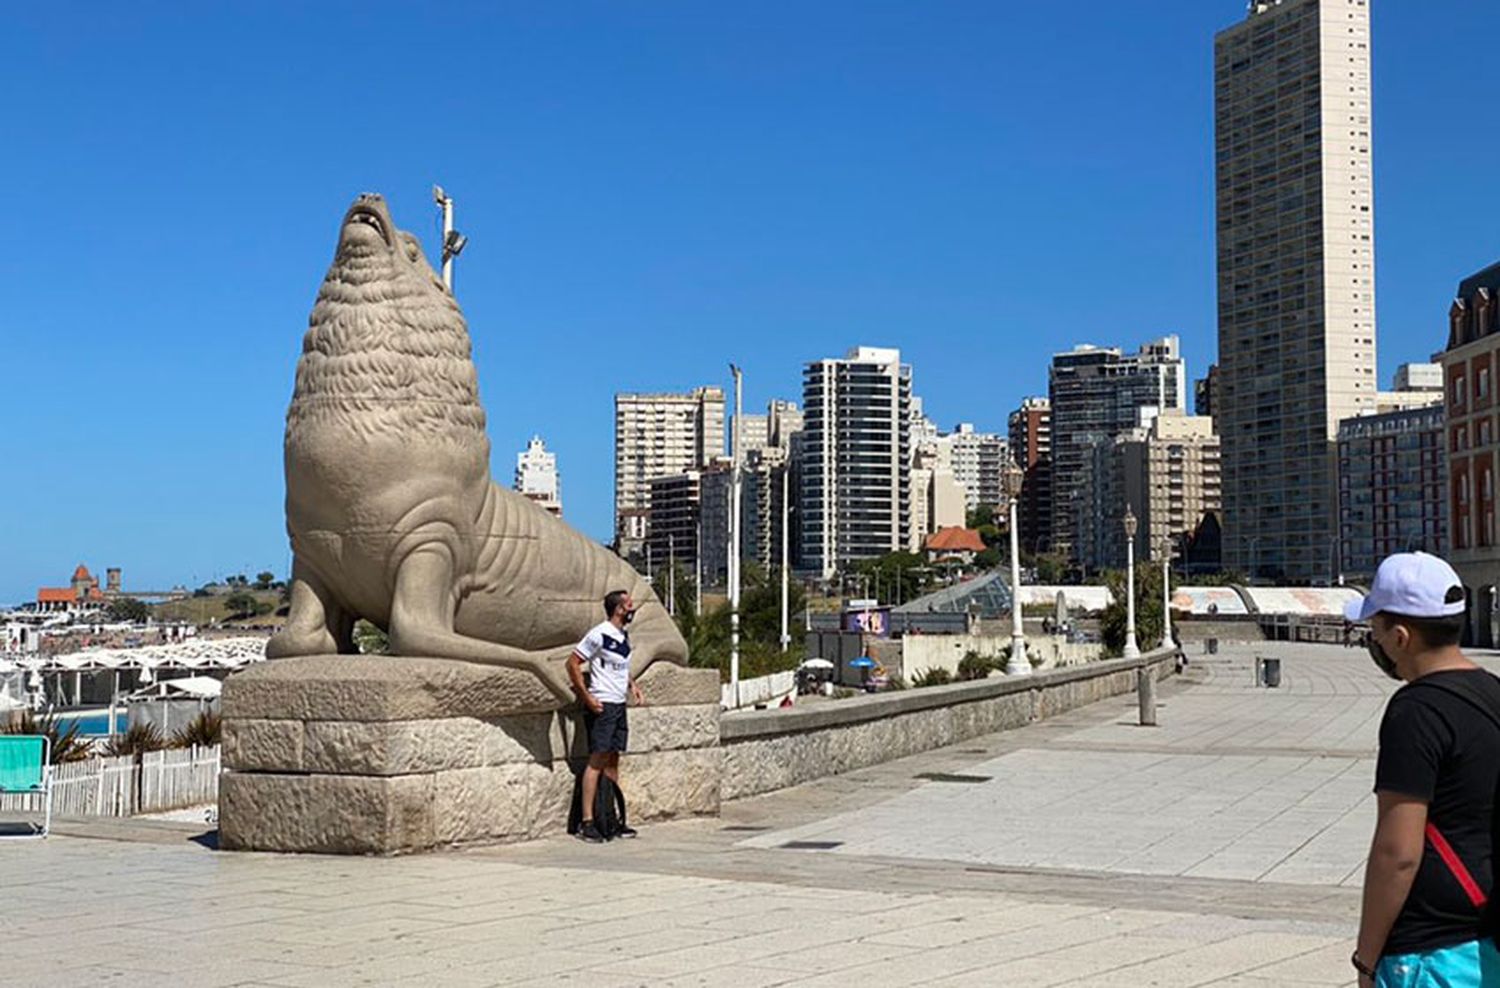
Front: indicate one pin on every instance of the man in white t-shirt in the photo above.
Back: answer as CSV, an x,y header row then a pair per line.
x,y
605,653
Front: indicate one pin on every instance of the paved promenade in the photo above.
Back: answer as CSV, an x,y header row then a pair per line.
x,y
1221,848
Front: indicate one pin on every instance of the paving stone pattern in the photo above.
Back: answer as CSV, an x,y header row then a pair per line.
x,y
1219,849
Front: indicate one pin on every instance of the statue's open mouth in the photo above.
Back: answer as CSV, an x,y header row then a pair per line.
x,y
359,223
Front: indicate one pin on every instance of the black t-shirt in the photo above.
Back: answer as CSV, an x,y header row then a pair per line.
x,y
1437,747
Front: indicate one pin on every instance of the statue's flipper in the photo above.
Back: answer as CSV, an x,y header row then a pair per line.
x,y
422,612
316,623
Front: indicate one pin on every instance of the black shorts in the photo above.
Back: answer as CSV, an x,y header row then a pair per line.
x,y
609,731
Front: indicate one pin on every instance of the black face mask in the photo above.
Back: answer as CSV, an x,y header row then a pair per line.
x,y
629,616
1385,662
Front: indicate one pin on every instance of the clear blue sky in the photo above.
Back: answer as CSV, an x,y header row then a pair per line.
x,y
651,190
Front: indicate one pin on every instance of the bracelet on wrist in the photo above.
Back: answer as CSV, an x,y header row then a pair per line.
x,y
1361,966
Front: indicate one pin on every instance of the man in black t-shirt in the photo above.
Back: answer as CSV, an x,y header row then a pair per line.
x,y
1429,872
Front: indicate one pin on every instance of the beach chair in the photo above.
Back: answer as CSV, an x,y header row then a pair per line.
x,y
25,769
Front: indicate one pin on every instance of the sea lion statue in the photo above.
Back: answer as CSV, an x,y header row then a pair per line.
x,y
389,504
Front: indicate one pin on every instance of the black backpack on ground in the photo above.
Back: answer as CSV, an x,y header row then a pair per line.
x,y
609,808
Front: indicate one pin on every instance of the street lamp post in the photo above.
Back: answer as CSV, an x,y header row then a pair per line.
x,y
453,241
1166,593
734,542
1019,664
786,636
1132,650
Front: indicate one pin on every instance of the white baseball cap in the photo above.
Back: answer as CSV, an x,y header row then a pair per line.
x,y
1412,584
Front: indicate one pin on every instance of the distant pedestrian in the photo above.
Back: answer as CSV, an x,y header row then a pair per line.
x,y
1425,921
605,653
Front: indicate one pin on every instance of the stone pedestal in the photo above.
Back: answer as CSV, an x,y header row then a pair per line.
x,y
365,754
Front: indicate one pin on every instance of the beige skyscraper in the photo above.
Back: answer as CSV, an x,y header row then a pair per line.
x,y
1296,263
660,435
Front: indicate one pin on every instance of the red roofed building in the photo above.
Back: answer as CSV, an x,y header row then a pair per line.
x,y
953,545
82,594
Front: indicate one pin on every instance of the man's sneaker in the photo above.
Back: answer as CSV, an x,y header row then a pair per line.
x,y
590,833
628,832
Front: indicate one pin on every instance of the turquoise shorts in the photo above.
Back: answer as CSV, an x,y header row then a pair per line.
x,y
1475,964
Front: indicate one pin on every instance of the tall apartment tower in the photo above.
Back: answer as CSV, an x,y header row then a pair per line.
x,y
979,461
1296,262
1172,478
1031,445
1096,393
536,476
660,435
856,458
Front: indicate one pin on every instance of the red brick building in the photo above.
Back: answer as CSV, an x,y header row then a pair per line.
x,y
1470,364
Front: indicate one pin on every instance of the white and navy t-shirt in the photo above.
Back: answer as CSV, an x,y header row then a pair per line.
x,y
606,649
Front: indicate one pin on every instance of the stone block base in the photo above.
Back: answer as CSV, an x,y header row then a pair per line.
x,y
386,755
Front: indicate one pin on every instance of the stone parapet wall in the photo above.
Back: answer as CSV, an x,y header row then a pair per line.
x,y
774,749
379,755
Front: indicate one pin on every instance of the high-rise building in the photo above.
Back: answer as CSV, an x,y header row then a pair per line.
x,y
1471,364
1393,488
536,475
786,424
1031,446
1205,390
979,460
659,435
924,431
716,493
855,458
1096,393
1167,471
1173,478
784,421
937,499
1296,267
755,432
760,507
676,508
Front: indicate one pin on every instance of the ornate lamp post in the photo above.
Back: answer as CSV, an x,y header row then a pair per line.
x,y
1132,650
1166,593
1018,664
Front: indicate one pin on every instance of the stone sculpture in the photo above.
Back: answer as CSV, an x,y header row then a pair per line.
x,y
389,504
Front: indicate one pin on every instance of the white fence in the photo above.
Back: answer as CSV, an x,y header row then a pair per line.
x,y
161,780
760,689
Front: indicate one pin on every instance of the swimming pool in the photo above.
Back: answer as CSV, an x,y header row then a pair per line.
x,y
93,722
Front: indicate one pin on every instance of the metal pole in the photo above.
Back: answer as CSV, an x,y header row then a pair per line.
x,y
1018,664
786,636
446,201
1166,595
1132,650
698,561
734,541
671,574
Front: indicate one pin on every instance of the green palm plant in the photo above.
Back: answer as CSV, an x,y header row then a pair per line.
x,y
936,676
201,732
137,740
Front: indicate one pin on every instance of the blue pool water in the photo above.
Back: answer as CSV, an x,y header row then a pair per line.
x,y
93,723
